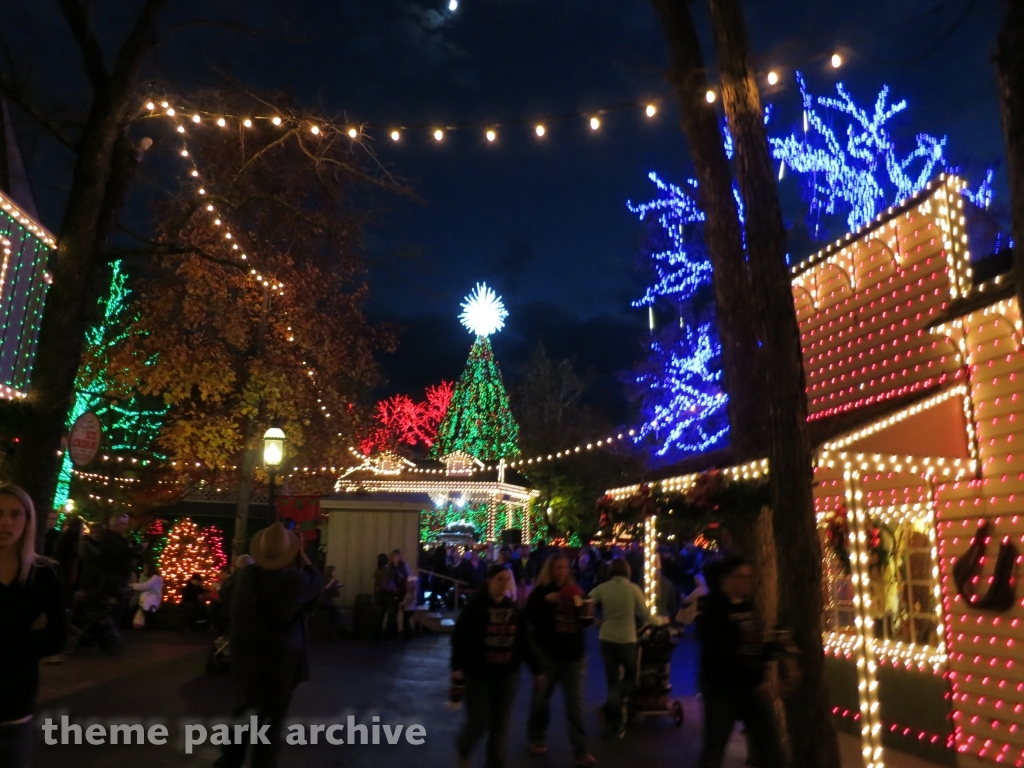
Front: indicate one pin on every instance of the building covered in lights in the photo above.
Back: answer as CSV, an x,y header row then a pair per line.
x,y
914,373
25,247
389,502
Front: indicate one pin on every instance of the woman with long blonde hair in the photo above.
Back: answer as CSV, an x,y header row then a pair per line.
x,y
555,619
33,623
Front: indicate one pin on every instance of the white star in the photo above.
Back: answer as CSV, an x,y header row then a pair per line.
x,y
482,311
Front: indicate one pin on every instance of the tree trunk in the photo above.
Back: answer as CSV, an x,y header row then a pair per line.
x,y
741,358
1009,62
251,452
77,264
799,551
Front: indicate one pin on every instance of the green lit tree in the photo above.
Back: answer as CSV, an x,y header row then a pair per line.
x,y
130,421
479,420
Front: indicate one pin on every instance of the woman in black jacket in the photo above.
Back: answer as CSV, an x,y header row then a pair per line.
x,y
555,621
488,645
32,626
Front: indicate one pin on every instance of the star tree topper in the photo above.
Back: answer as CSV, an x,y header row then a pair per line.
x,y
483,312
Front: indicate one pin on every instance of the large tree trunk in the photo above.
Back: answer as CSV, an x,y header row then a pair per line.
x,y
1009,62
799,551
94,199
741,358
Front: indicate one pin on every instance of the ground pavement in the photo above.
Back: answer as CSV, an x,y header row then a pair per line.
x,y
161,678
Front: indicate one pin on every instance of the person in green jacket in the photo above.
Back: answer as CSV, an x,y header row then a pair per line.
x,y
621,603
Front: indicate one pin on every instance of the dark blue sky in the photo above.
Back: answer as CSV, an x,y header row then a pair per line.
x,y
545,221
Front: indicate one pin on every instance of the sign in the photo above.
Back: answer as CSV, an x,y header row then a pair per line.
x,y
84,443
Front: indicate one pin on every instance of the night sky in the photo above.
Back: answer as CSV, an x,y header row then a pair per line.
x,y
545,221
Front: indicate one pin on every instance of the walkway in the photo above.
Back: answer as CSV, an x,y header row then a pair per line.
x,y
161,678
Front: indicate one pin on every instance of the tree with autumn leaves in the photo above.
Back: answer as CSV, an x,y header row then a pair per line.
x,y
249,307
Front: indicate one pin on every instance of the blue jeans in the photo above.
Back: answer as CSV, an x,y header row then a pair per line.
x,y
568,674
16,745
620,673
722,708
488,703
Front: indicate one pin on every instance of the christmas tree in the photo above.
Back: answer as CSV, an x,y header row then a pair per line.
x,y
479,419
190,550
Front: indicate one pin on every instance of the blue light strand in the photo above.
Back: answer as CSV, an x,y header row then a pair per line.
x,y
686,408
683,405
684,267
864,173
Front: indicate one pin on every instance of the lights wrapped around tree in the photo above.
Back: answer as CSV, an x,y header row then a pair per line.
x,y
479,418
683,406
189,550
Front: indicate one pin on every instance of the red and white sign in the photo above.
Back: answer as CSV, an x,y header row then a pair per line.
x,y
84,443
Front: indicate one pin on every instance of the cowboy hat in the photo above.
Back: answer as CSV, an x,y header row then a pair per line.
x,y
274,547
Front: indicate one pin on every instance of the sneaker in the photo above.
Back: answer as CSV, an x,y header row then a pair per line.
x,y
585,759
537,750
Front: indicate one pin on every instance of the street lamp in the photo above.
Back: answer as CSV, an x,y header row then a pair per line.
x,y
273,455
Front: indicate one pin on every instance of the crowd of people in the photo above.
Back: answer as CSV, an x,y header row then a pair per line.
x,y
526,606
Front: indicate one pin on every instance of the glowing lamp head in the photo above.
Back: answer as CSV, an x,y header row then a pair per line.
x,y
273,447
483,313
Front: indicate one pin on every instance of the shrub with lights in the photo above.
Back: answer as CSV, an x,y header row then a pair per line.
x,y
190,550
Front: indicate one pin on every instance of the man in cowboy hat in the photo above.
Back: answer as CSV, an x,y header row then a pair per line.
x,y
268,638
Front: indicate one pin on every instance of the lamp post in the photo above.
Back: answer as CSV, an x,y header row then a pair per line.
x,y
273,455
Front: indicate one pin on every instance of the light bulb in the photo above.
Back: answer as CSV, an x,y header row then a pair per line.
x,y
247,123
651,110
150,105
352,133
453,5
276,120
315,130
773,77
710,96
491,135
220,122
540,130
837,61
594,123
395,136
438,134
195,118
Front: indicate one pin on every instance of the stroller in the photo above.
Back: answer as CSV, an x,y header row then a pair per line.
x,y
651,695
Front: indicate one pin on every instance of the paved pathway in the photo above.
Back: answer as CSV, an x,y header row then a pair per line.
x,y
161,678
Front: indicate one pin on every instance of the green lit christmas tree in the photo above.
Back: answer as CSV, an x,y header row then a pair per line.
x,y
479,419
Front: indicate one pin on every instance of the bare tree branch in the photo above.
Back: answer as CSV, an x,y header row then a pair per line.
x,y
78,20
26,105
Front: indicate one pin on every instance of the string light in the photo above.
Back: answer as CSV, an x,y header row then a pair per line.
x,y
837,61
710,96
491,135
438,134
773,78
395,135
539,130
651,110
595,123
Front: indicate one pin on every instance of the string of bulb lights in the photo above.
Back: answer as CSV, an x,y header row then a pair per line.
x,y
395,131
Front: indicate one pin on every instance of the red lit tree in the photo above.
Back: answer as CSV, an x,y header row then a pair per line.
x,y
402,421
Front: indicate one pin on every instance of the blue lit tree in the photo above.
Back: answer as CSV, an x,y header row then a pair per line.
x,y
852,158
679,386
